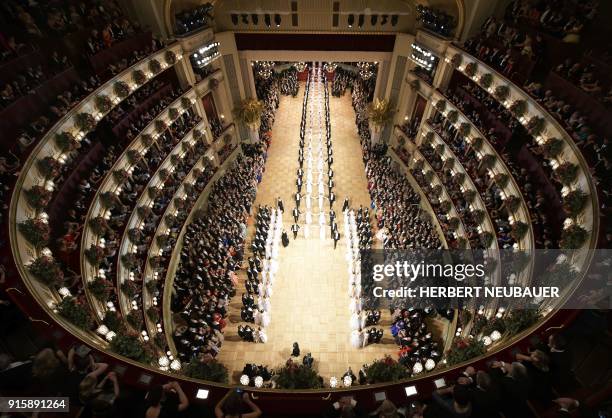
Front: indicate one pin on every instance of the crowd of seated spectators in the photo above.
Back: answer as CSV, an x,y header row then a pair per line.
x,y
193,19
583,76
436,20
269,93
288,81
212,252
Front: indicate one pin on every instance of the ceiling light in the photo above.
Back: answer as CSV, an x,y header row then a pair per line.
x,y
333,382
244,380
258,381
351,20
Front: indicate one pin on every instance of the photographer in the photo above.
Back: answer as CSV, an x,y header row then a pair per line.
x,y
166,401
234,403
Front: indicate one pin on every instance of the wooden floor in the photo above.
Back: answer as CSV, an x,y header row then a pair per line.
x,y
310,301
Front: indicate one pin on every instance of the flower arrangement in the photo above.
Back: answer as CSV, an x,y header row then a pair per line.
x,y
445,206
143,211
452,116
249,112
512,203
519,230
210,370
477,143
84,121
464,349
486,238
95,254
440,105
574,203
160,126
567,173
173,113
121,89
129,288
49,167
170,220
439,149
146,140
100,288
519,320
75,312
453,223
536,125
109,200
120,176
428,176
573,237
486,80
185,103
164,173
462,243
175,159
170,57
66,142
134,318
162,240
553,147
129,261
297,376
133,156
160,341
36,232
488,161
153,313
197,134
103,103
47,271
38,197
464,129
154,66
449,163
139,77
459,178
134,235
470,195
113,321
470,69
418,165
436,191
153,192
156,262
518,108
130,346
501,179
386,370
501,92
478,215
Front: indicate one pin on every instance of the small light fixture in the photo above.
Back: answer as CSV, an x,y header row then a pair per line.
x,y
258,381
347,381
495,335
430,364
333,382
163,361
110,335
175,365
244,380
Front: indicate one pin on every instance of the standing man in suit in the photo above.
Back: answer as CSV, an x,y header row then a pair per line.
x,y
279,203
296,214
295,228
336,237
297,198
345,204
298,183
332,199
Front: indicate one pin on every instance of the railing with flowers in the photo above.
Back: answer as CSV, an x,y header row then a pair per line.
x,y
39,270
129,291
495,166
110,186
582,224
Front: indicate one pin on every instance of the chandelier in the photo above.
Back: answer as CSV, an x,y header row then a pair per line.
x,y
330,66
366,69
300,66
264,69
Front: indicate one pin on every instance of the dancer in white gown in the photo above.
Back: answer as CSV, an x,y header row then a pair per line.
x,y
261,336
356,339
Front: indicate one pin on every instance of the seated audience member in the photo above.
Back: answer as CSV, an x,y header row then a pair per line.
x,y
234,405
166,401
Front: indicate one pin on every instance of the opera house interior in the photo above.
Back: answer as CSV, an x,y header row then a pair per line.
x,y
166,252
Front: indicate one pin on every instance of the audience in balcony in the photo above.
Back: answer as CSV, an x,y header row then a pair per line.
x,y
193,19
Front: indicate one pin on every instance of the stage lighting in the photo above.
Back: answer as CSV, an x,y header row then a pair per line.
x,y
245,19
384,20
277,20
267,20
374,19
361,21
351,20
255,18
234,19
394,20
